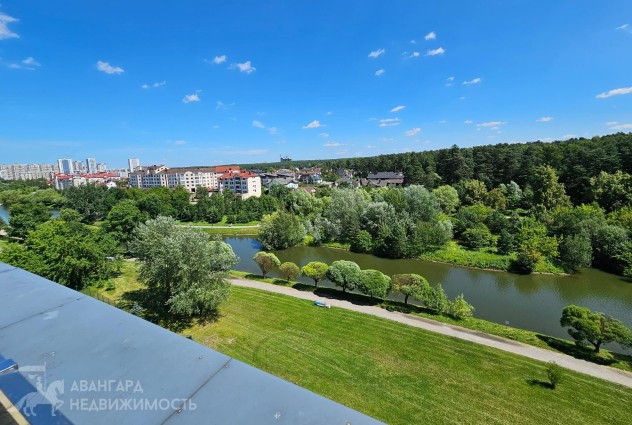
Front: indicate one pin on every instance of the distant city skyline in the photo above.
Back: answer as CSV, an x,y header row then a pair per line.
x,y
243,82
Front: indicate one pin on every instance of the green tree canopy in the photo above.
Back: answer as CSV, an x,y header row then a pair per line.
x,y
266,261
289,271
281,230
411,285
547,190
315,270
69,253
189,285
26,217
596,328
123,219
448,198
374,283
345,274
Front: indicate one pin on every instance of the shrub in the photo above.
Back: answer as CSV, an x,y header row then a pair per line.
x,y
477,237
555,373
289,270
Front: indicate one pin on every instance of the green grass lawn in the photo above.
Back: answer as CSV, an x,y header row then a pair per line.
x,y
396,373
232,231
400,374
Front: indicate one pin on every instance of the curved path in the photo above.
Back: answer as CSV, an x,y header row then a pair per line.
x,y
604,372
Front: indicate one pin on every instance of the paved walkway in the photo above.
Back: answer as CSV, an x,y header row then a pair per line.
x,y
604,372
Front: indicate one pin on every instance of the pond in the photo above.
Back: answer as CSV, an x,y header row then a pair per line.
x,y
4,213
532,302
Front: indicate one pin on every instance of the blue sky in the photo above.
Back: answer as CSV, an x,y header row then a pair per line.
x,y
193,82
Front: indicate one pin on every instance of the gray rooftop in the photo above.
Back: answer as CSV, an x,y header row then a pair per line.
x,y
119,369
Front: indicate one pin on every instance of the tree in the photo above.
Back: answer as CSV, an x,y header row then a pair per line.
x,y
188,285
201,192
26,217
576,251
266,261
495,199
448,198
421,204
555,373
289,271
612,191
281,230
596,328
533,245
344,212
362,242
315,270
472,192
374,283
437,300
609,244
345,274
123,219
461,309
90,200
69,253
411,285
547,191
477,237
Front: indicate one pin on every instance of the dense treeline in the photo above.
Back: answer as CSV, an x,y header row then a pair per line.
x,y
575,161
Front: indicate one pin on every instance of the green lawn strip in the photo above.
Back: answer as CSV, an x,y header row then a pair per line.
x,y
221,223
453,253
400,374
605,357
232,231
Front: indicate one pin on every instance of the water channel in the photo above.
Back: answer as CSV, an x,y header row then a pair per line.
x,y
532,302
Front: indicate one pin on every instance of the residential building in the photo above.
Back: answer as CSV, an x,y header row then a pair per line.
x,y
244,183
388,178
64,181
188,177
27,171
79,167
133,163
66,166
288,182
91,165
102,168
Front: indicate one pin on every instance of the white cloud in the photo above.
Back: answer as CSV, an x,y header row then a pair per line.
x,y
109,69
379,72
430,36
414,55
329,113
436,52
219,59
258,124
474,81
191,98
244,67
30,62
614,92
377,53
443,122
413,42
5,32
467,122
413,131
332,144
569,136
618,127
313,124
272,131
325,135
398,108
545,119
449,79
491,124
154,85
623,27
180,142
389,122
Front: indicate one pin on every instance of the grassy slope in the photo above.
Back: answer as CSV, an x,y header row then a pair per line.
x,y
400,374
604,357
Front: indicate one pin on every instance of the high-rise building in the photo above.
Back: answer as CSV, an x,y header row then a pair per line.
x,y
133,163
66,166
91,165
79,167
101,168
